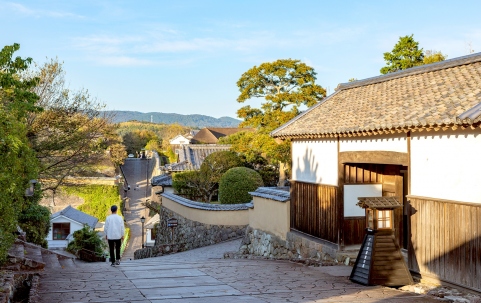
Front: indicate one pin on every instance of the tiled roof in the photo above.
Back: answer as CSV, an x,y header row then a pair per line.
x,y
272,193
191,156
210,135
441,94
162,180
379,202
77,216
207,206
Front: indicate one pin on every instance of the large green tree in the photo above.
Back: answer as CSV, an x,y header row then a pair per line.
x,y
405,54
285,85
18,162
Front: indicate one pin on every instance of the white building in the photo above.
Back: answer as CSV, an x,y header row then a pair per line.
x,y
64,223
413,134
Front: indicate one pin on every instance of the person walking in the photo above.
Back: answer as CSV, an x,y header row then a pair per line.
x,y
114,233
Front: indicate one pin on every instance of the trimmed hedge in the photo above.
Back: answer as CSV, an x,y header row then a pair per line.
x,y
236,183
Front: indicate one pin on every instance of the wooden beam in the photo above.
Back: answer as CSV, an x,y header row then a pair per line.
x,y
375,157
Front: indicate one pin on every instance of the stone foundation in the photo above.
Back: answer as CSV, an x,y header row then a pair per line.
x,y
296,247
159,250
187,235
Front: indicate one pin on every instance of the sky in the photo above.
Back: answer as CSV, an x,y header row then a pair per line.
x,y
186,57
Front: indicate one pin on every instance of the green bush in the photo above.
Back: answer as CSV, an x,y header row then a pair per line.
x,y
87,238
236,183
97,199
185,184
35,222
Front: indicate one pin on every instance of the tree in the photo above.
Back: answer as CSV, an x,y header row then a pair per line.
x,y
212,169
433,56
154,144
254,145
15,91
71,134
35,221
405,54
18,162
285,84
117,153
136,140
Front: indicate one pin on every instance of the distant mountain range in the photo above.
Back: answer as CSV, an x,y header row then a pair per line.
x,y
199,121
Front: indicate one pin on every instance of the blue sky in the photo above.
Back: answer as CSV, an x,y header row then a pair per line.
x,y
186,56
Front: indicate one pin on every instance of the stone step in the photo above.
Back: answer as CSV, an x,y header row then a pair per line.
x,y
50,260
67,263
17,250
33,252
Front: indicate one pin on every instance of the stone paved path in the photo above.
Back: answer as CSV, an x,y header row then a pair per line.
x,y
201,275
136,174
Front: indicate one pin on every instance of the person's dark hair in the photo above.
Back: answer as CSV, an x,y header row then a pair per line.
x,y
113,208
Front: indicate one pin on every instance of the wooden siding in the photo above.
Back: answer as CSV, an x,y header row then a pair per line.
x,y
354,230
363,173
445,240
315,210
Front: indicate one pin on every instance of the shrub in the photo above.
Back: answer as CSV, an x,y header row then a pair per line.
x,y
35,222
185,184
87,238
236,183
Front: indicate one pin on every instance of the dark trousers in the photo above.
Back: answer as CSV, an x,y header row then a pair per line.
x,y
117,244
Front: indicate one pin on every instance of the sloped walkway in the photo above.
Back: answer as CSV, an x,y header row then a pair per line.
x,y
201,275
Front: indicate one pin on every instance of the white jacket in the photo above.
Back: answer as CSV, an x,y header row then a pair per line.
x,y
114,227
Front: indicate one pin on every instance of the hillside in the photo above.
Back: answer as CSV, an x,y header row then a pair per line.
x,y
197,121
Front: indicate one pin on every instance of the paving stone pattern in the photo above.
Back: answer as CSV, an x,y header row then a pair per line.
x,y
200,275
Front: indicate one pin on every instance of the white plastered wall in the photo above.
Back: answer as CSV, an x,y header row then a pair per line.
x,y
74,226
447,165
395,143
315,161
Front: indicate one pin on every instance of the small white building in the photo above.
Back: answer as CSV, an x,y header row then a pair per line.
x,y
64,223
179,140
149,230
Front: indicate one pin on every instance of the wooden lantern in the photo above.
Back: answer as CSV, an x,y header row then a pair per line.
x,y
379,261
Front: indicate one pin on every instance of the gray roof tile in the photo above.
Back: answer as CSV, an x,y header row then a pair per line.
x,y
77,216
444,93
272,193
191,156
162,180
206,206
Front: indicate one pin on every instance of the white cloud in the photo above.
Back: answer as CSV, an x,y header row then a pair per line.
x,y
159,41
26,11
121,61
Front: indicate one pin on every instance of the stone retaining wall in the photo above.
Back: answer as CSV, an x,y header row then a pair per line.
x,y
187,235
295,247
159,250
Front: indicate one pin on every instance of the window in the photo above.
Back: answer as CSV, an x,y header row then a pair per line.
x,y
61,231
384,219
